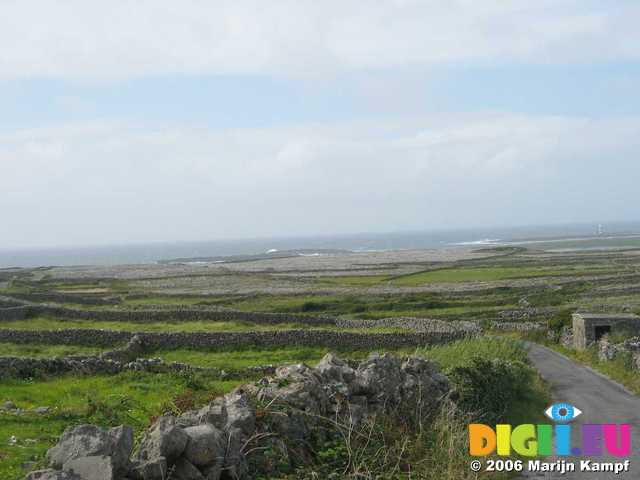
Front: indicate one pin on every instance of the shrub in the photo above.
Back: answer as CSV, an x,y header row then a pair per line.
x,y
560,319
487,389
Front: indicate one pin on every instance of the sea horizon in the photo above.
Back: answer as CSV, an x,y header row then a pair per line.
x,y
578,236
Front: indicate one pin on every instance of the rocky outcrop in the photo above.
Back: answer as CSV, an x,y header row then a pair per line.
x,y
227,438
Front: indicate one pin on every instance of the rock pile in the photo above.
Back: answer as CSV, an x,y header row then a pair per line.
x,y
226,439
608,351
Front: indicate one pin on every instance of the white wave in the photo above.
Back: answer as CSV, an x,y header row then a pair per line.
x,y
484,241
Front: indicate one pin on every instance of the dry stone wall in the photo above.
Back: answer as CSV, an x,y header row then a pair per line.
x,y
221,340
235,436
152,316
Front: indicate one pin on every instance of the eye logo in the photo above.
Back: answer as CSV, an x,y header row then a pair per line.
x,y
562,412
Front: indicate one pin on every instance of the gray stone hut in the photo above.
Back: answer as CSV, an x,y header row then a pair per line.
x,y
591,327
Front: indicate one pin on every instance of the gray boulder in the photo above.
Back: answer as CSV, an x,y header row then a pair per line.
x,y
334,369
240,414
206,445
122,442
379,378
212,472
165,439
155,469
92,468
90,441
215,413
235,463
185,470
50,474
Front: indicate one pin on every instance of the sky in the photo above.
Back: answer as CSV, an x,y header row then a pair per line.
x,y
152,120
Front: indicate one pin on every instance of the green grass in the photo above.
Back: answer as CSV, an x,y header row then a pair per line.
x,y
42,323
181,300
135,397
235,359
352,280
173,327
131,397
35,350
462,352
489,274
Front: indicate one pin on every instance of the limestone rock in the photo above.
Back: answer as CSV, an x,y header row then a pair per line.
x,y
213,472
50,474
334,369
90,441
240,413
379,378
92,468
185,470
206,445
122,445
235,463
80,441
165,439
155,469
215,413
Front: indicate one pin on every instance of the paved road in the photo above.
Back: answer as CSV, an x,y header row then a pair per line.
x,y
601,401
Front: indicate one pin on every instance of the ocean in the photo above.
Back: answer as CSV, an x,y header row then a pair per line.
x,y
556,237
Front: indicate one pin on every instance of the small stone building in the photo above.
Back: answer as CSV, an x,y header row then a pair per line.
x,y
591,327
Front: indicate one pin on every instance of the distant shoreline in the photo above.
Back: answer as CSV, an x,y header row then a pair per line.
x,y
577,237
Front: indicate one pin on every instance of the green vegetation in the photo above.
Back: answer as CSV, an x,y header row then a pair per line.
x,y
44,323
463,352
486,389
230,359
135,398
490,274
503,389
182,300
131,397
373,306
36,350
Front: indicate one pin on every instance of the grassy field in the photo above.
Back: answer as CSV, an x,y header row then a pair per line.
x,y
169,327
235,359
35,350
135,397
193,326
490,274
132,398
448,290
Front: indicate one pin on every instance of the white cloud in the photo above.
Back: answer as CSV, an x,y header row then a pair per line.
x,y
117,183
124,38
